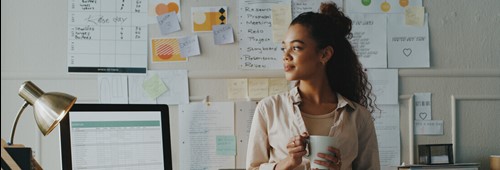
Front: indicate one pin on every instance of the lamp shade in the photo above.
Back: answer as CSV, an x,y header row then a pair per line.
x,y
49,108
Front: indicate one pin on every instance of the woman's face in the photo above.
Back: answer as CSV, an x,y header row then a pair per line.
x,y
301,58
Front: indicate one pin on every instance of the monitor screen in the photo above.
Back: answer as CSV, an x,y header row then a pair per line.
x,y
116,136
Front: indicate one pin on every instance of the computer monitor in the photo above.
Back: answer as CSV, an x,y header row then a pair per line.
x,y
116,136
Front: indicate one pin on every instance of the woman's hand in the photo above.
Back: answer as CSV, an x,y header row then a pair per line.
x,y
296,150
333,161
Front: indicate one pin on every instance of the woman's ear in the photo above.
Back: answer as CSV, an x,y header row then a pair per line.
x,y
327,54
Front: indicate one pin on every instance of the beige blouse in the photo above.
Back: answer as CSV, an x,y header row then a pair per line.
x,y
278,118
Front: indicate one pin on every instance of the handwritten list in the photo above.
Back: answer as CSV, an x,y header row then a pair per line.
x,y
107,36
369,39
257,49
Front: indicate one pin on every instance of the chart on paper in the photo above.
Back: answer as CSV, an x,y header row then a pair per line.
x,y
116,142
107,36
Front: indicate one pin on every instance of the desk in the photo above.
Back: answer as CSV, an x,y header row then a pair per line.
x,y
18,156
459,166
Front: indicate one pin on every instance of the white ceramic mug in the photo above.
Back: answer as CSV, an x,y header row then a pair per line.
x,y
319,144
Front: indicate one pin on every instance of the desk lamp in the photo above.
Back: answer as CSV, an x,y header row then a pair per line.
x,y
49,109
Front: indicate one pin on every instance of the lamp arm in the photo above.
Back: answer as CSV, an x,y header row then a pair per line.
x,y
11,141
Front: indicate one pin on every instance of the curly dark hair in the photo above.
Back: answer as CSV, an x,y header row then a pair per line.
x,y
330,27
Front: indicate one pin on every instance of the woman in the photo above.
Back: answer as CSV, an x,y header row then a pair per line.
x,y
330,98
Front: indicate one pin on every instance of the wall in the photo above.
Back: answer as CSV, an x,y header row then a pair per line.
x,y
465,63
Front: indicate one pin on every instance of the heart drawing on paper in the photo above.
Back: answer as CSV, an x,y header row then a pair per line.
x,y
422,115
407,52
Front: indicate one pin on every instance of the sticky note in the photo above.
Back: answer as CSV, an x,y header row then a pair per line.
x,y
237,88
226,145
189,46
258,88
277,86
154,86
223,34
414,15
168,23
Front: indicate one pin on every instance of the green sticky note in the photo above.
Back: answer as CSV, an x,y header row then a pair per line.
x,y
154,87
226,145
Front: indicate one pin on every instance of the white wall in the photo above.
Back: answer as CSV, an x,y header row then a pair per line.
x,y
465,63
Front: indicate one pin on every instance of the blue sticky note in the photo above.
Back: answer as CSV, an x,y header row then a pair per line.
x,y
223,34
168,23
226,145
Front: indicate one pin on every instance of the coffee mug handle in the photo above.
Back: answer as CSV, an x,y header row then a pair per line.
x,y
308,148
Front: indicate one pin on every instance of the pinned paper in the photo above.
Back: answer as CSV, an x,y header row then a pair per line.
x,y
277,86
189,46
282,16
223,34
168,23
112,88
258,88
166,50
226,145
160,7
301,6
423,106
429,127
414,15
408,46
237,88
154,87
204,17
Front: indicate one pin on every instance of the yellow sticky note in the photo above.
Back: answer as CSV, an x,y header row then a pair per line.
x,y
281,17
414,15
154,86
277,86
258,88
237,88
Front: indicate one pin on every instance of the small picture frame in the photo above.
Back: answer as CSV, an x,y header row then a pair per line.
x,y
433,154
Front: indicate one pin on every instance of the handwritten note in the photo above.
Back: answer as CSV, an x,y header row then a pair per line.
x,y
282,16
107,37
237,88
223,34
257,49
258,88
414,15
301,6
199,125
408,45
369,39
154,86
226,145
277,86
189,46
168,23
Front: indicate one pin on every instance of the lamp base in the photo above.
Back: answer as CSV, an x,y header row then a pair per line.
x,y
18,157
